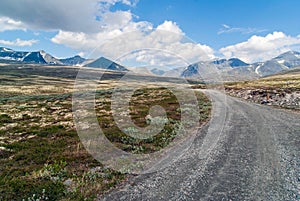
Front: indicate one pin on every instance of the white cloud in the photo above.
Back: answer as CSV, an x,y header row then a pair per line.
x,y
7,23
261,48
116,20
18,42
154,58
82,54
164,40
228,29
226,26
170,26
126,2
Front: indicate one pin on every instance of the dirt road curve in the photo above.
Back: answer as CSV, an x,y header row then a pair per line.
x,y
253,155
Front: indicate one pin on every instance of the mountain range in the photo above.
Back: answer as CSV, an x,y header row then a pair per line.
x,y
39,57
236,69
229,69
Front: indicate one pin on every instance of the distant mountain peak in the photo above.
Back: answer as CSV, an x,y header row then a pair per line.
x,y
235,62
105,63
34,57
232,62
289,55
190,71
73,61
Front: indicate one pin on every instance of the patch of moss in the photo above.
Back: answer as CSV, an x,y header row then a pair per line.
x,y
5,118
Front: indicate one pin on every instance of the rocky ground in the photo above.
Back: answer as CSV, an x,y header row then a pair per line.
x,y
284,98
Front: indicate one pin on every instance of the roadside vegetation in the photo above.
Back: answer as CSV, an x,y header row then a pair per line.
x,y
281,90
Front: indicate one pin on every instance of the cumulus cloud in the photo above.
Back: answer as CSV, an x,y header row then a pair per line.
x,y
261,48
18,42
166,39
170,26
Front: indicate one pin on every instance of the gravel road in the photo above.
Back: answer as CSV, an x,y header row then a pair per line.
x,y
246,152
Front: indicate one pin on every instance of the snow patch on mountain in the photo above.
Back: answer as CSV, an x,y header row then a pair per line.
x,y
257,69
5,50
44,54
26,55
8,58
49,59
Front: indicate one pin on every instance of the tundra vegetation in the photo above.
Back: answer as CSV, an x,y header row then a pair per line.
x,y
41,155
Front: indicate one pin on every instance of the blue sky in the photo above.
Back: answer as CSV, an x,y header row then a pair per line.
x,y
201,20
252,30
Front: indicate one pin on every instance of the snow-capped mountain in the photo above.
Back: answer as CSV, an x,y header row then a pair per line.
x,y
236,69
38,57
191,70
42,57
106,64
49,59
282,62
34,57
11,55
233,66
289,59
